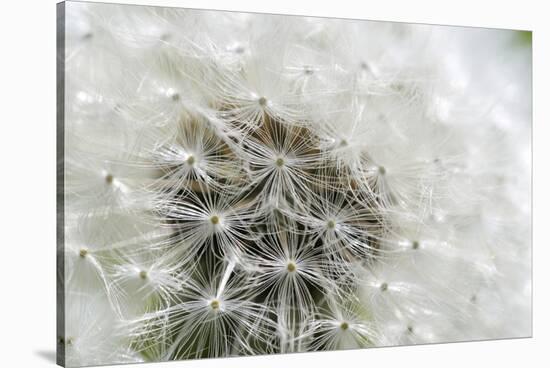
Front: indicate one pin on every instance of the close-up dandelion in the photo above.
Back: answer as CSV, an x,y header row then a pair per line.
x,y
248,184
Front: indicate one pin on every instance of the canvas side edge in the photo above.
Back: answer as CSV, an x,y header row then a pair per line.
x,y
60,183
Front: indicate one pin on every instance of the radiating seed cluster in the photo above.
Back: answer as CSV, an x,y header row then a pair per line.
x,y
242,184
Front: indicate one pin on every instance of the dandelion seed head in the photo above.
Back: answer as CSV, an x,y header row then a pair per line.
x,y
253,158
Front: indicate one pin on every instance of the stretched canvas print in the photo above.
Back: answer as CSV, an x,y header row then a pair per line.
x,y
251,184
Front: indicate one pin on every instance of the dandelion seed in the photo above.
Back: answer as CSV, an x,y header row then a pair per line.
x,y
218,316
207,221
291,267
215,304
87,36
339,326
196,152
109,179
341,223
190,160
281,161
